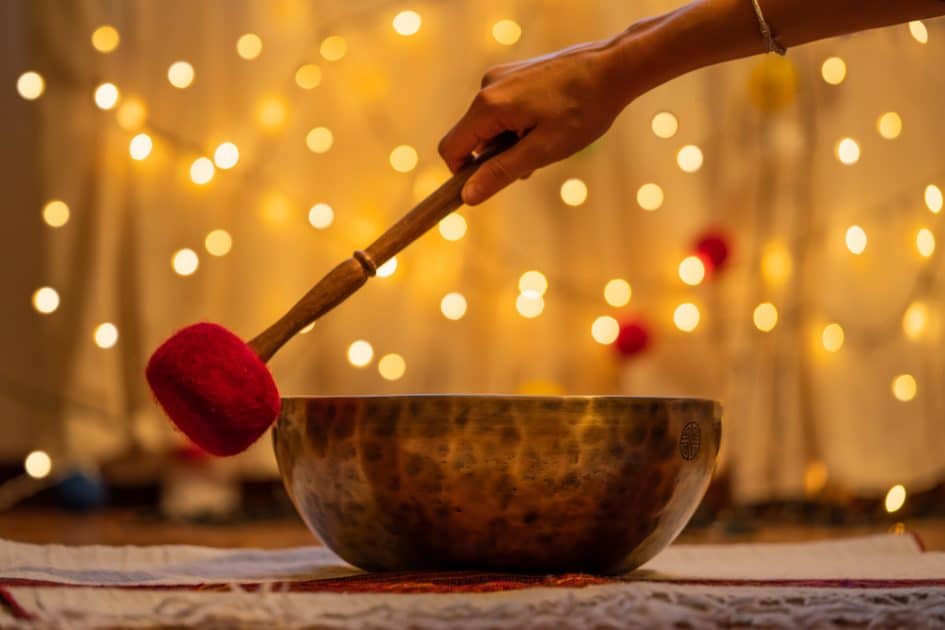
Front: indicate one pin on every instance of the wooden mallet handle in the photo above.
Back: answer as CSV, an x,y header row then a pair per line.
x,y
350,275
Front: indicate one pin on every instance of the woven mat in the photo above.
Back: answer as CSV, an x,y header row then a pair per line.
x,y
882,581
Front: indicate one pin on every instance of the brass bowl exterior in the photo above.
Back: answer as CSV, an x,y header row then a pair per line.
x,y
510,483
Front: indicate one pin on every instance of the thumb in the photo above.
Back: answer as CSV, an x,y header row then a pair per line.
x,y
498,172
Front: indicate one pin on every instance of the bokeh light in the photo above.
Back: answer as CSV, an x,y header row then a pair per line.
x,y
832,337
185,262
106,96
319,139
617,292
904,387
30,85
506,32
334,48
453,227
689,158
776,263
933,198
226,155
847,151
391,367
529,304
139,148
407,23
650,196
321,216
249,46
919,32
889,125
105,38
131,114
833,70
45,300
925,242
56,213
453,306
360,353
388,268
403,158
765,317
180,74
38,464
895,498
105,335
201,171
855,239
218,243
605,330
573,192
915,319
686,317
664,125
533,282
692,270
308,76
271,113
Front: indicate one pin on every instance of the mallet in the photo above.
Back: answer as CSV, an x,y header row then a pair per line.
x,y
217,389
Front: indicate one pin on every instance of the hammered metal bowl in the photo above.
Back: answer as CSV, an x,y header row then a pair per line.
x,y
508,483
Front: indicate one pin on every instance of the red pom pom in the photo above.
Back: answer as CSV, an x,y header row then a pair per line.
x,y
713,249
633,338
214,388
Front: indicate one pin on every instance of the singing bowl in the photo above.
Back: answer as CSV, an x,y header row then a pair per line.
x,y
507,483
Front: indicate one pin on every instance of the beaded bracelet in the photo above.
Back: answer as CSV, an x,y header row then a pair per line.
x,y
772,44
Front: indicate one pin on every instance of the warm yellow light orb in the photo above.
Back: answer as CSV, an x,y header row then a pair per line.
x,y
776,263
933,198
815,477
105,335
692,270
201,171
308,77
453,306
915,319
919,32
334,48
271,113
847,151
30,85
895,498
276,209
360,353
689,158
388,268
533,282
832,337
46,300
856,240
686,317
529,304
38,464
392,366
506,32
453,227
249,46
180,74
904,387
185,262
218,243
140,146
131,114
833,70
889,125
925,242
56,213
605,329
105,38
573,192
403,158
617,292
765,317
319,139
226,155
664,125
407,23
321,216
650,196
106,96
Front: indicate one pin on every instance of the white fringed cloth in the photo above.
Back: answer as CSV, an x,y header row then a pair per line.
x,y
877,582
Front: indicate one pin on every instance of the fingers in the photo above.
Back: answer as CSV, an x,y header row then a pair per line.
x,y
497,173
477,126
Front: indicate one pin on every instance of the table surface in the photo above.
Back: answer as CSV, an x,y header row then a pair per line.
x,y
123,527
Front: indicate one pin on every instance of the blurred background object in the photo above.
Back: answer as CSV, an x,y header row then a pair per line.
x,y
763,233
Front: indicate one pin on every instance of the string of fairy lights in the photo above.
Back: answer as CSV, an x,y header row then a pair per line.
x,y
131,116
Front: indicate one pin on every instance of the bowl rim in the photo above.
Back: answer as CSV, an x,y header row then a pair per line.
x,y
510,397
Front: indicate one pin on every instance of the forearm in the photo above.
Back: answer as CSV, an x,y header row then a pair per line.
x,y
706,32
